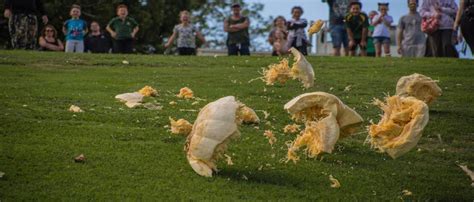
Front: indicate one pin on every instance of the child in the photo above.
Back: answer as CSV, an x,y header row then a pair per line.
x,y
370,39
297,35
278,35
186,34
75,29
381,34
123,30
357,24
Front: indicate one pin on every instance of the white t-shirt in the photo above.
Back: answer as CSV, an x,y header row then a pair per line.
x,y
381,30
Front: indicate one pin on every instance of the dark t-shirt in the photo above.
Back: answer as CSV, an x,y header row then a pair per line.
x,y
25,6
123,28
239,37
356,23
97,44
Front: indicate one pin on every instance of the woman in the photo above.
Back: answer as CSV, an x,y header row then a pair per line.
x,y
277,37
441,41
48,40
465,19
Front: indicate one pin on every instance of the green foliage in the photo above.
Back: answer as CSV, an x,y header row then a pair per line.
x,y
131,155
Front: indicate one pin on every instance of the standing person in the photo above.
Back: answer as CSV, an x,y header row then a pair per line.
x,y
410,39
237,28
277,37
382,23
123,30
296,33
75,29
370,38
465,19
357,24
338,9
186,34
97,41
441,41
49,41
23,23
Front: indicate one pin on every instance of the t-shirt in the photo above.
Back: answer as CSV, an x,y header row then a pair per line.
x,y
356,23
75,29
337,10
123,28
381,29
411,26
239,37
186,36
97,44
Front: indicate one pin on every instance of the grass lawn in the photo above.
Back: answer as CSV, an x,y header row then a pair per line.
x,y
132,155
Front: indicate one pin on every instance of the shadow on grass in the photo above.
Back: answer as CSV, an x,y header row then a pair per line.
x,y
272,177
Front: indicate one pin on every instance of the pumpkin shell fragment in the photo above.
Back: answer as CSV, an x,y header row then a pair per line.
x,y
302,69
401,125
419,86
213,129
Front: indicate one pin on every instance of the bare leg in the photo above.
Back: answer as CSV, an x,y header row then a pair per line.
x,y
378,50
337,51
386,47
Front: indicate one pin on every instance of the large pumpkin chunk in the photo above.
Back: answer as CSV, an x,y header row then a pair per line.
x,y
419,86
326,118
401,125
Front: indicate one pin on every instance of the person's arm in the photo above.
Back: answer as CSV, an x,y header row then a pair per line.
x,y
388,21
46,45
400,29
60,45
227,28
450,10
201,37
64,28
363,41
270,38
109,29
457,21
171,40
377,20
135,31
425,10
243,25
293,26
86,29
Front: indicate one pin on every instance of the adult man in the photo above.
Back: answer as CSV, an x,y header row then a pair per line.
x,y
236,26
97,41
23,22
410,39
338,9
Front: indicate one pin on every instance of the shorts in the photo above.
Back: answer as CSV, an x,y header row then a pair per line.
x,y
381,39
186,51
357,44
339,36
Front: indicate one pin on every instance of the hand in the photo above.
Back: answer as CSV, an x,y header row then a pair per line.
x,y
351,44
113,35
45,19
7,13
399,50
232,26
455,26
133,35
363,43
167,45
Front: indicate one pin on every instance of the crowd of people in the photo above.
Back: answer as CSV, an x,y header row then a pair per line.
x,y
428,31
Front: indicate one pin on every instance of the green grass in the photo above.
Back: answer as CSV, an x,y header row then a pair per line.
x,y
131,155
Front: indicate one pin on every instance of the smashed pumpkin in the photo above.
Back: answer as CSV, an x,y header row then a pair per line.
x,y
180,127
326,118
148,91
419,86
186,93
216,125
401,125
316,27
302,69
277,73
